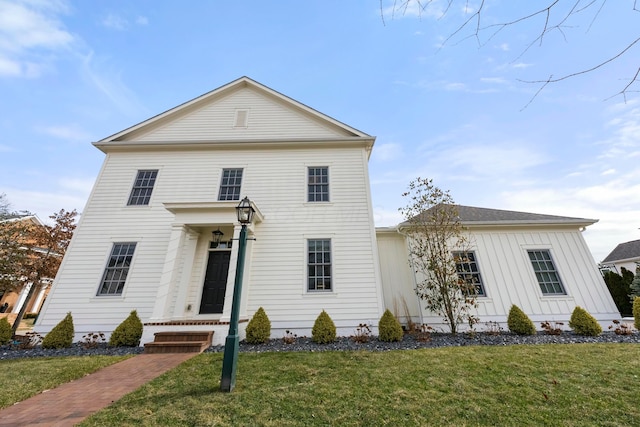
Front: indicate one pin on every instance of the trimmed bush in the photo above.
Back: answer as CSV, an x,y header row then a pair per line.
x,y
636,312
389,329
128,333
583,323
324,330
519,323
6,332
61,336
259,328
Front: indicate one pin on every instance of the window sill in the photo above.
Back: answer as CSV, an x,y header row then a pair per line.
x,y
317,204
319,293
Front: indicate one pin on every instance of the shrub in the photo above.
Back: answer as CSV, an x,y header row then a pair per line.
x,y
519,323
259,328
6,332
61,336
324,330
389,329
583,323
128,333
636,312
363,333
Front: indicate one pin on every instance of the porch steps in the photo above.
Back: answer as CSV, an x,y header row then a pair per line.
x,y
179,342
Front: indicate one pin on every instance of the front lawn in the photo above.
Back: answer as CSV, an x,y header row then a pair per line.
x,y
534,385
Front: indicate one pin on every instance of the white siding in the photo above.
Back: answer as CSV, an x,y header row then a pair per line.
x,y
275,179
268,118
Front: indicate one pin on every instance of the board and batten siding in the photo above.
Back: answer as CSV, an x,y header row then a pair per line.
x,y
508,276
275,180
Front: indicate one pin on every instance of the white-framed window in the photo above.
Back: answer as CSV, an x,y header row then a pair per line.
x,y
468,271
143,187
319,265
318,184
117,269
545,271
230,184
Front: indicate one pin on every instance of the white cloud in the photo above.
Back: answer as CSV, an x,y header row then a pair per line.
x,y
142,20
29,32
115,22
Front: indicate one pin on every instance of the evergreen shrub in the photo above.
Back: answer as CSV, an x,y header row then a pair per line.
x,y
259,328
583,323
61,336
6,332
636,312
389,329
128,333
324,330
519,323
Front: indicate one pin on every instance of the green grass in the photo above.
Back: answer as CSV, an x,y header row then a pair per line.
x,y
23,378
568,385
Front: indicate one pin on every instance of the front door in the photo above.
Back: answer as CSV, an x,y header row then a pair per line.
x,y
215,282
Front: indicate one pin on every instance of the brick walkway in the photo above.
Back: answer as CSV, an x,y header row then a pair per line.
x,y
70,403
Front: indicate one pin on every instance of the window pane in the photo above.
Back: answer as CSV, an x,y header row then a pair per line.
x,y
546,274
318,184
231,184
468,272
117,269
143,187
319,265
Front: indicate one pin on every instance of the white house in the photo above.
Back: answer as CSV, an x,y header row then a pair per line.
x,y
159,231
625,255
541,263
145,239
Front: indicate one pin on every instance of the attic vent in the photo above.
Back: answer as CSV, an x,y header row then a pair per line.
x,y
242,119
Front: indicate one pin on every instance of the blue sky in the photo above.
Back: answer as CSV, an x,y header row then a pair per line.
x,y
75,72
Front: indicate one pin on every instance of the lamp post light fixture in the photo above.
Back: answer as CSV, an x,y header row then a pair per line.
x,y
231,346
217,236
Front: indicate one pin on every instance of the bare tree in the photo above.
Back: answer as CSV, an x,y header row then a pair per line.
x,y
434,232
552,17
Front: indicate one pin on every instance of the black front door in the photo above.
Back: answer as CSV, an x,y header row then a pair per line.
x,y
215,282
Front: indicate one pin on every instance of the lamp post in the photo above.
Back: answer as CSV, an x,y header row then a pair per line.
x,y
230,360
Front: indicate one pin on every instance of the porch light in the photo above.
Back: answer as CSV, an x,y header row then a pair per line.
x,y
245,211
217,236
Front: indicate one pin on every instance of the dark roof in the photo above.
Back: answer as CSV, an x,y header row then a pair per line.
x,y
627,250
470,215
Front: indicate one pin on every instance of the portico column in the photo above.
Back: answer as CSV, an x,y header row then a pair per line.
x,y
182,286
170,271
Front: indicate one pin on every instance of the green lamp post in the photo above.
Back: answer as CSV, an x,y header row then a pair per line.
x,y
230,360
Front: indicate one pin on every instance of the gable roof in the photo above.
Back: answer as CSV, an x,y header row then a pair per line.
x,y
627,250
473,216
223,91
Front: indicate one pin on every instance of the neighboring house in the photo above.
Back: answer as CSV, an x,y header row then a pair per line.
x,y
541,263
159,231
146,240
625,255
15,300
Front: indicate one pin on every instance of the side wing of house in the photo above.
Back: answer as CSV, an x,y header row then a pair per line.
x,y
146,238
541,264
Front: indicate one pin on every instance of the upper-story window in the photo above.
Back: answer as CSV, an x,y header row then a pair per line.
x,y
468,272
318,184
230,185
117,269
546,272
143,187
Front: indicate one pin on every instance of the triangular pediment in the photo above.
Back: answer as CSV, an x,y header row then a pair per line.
x,y
243,110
